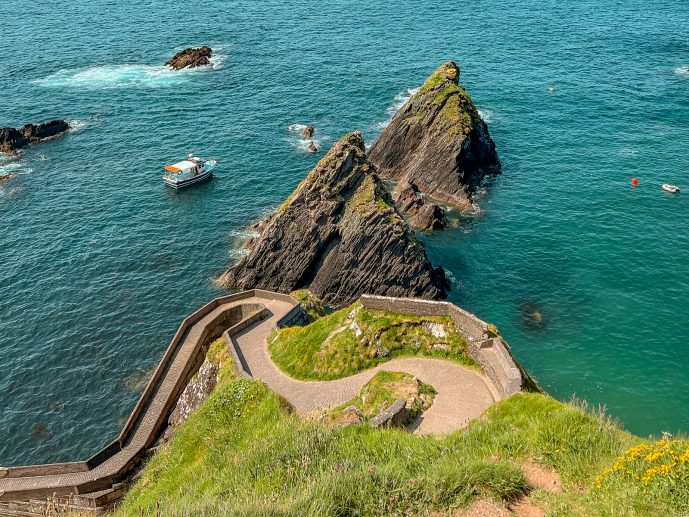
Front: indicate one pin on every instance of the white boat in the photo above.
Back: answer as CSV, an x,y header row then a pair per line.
x,y
670,188
188,172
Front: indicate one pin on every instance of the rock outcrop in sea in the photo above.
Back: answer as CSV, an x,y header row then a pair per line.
x,y
12,139
190,58
424,215
438,142
339,235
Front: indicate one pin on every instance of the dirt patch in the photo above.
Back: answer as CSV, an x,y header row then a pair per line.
x,y
484,508
542,477
525,508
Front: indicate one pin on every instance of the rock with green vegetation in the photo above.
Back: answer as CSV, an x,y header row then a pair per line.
x,y
438,141
311,305
381,392
354,339
339,235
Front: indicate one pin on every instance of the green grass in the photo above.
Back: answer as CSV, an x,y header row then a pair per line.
x,y
311,305
329,348
243,453
382,390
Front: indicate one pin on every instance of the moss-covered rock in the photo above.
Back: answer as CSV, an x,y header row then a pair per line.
x,y
340,236
438,141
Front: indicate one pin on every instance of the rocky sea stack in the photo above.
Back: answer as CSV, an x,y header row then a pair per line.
x,y
190,58
438,142
11,139
339,235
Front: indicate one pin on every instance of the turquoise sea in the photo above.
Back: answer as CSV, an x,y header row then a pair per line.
x,y
99,263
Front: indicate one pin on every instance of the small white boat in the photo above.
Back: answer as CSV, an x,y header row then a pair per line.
x,y
670,188
188,172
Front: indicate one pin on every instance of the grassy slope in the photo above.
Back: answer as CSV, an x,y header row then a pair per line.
x,y
244,453
309,353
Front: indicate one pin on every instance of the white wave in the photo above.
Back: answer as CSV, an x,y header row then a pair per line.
x,y
297,128
217,58
244,234
125,76
113,77
237,253
76,126
301,143
456,284
486,115
398,101
682,70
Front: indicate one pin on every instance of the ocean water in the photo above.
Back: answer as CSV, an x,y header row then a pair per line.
x,y
99,263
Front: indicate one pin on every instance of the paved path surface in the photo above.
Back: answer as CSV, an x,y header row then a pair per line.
x,y
463,394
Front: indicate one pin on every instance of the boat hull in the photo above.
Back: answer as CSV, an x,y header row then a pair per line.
x,y
191,181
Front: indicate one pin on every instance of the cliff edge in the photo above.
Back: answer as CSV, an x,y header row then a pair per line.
x,y
438,142
339,235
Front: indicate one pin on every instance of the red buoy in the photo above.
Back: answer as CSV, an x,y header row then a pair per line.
x,y
635,181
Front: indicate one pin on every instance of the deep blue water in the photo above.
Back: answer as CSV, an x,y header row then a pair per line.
x,y
99,263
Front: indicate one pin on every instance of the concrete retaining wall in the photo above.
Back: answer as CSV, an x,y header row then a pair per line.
x,y
490,352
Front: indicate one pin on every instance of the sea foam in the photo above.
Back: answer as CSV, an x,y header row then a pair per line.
x,y
106,77
398,101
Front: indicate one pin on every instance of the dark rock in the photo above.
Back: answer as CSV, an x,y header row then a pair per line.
x,y
339,235
531,315
6,178
429,217
408,197
308,132
11,139
397,415
190,58
312,147
424,216
36,133
438,141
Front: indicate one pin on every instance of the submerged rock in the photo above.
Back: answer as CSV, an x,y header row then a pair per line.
x,y
11,139
532,316
438,141
190,58
339,235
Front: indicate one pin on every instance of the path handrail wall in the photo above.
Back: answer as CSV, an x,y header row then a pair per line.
x,y
115,446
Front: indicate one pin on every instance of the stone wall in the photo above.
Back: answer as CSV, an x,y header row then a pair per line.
x,y
489,351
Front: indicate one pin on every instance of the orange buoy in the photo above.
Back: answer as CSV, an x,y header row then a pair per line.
x,y
635,181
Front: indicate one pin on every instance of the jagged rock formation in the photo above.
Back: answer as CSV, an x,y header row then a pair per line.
x,y
424,216
190,58
308,132
11,139
438,141
339,235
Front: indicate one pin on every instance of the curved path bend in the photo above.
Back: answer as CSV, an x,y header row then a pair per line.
x,y
463,393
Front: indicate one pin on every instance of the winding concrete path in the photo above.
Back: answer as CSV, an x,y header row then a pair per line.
x,y
463,393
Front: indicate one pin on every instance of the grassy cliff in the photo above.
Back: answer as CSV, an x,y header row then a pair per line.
x,y
244,452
